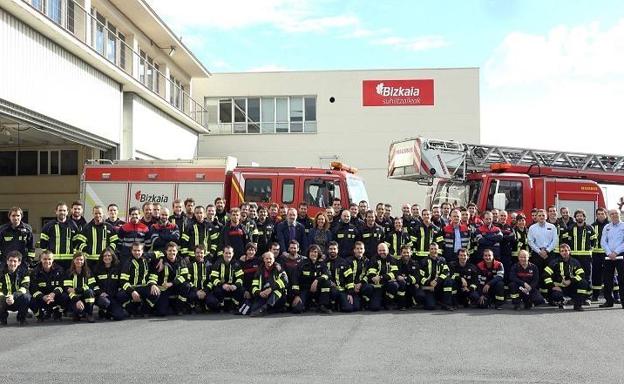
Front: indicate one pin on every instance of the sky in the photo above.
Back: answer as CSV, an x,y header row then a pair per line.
x,y
551,71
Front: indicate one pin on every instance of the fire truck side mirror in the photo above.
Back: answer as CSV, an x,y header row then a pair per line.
x,y
500,201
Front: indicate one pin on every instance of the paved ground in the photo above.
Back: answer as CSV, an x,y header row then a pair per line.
x,y
467,346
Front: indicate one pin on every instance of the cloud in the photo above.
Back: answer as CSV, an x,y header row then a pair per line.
x,y
420,43
561,90
584,51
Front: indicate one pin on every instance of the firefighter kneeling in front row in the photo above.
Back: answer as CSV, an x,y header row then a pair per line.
x,y
435,280
524,283
491,281
565,276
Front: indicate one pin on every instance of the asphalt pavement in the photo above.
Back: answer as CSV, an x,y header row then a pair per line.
x,y
545,345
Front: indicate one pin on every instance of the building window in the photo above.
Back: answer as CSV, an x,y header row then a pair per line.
x,y
4,216
27,163
177,91
122,50
294,114
70,16
258,190
69,163
8,163
38,4
111,44
32,163
100,24
288,191
53,11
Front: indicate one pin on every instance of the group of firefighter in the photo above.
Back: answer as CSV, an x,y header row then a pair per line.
x,y
255,260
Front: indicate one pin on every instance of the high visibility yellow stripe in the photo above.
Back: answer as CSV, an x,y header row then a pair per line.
x,y
57,239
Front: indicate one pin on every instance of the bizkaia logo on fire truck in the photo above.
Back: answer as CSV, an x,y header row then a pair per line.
x,y
150,197
397,92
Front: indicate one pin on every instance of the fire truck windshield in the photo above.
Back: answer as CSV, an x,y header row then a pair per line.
x,y
458,194
357,191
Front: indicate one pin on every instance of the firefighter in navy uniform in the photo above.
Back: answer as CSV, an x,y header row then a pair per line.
x,y
290,263
113,219
520,242
197,233
96,236
268,287
265,228
465,276
215,233
178,217
407,277
382,286
435,280
341,279
304,219
17,236
371,234
58,236
163,232
425,234
598,253
397,238
381,219
313,282
491,281
565,276
198,280
524,283
487,236
107,273
582,238
135,295
46,287
14,289
78,288
506,244
225,285
359,266
171,281
346,234
235,234
129,233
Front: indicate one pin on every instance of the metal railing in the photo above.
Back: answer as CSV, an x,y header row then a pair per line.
x,y
110,43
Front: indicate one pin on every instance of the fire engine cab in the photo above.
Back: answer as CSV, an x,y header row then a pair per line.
x,y
129,183
514,179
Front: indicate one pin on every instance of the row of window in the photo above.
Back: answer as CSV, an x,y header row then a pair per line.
x,y
31,163
294,114
317,193
110,42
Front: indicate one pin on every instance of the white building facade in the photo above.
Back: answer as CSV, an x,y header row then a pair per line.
x,y
88,79
312,118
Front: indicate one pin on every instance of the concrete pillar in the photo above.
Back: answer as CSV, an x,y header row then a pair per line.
x,y
88,22
126,147
168,87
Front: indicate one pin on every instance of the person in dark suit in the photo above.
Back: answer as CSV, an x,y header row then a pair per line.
x,y
289,230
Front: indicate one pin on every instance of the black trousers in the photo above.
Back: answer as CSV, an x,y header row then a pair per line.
x,y
610,266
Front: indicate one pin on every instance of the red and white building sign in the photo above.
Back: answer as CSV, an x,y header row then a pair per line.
x,y
397,92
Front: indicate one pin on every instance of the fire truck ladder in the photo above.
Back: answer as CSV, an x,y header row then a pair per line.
x,y
446,159
481,157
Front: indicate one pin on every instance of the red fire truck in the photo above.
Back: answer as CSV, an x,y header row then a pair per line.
x,y
131,183
514,179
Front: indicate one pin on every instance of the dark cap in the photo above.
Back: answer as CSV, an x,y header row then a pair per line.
x,y
520,216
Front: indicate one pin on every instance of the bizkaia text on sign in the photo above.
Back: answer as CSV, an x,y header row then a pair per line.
x,y
397,92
